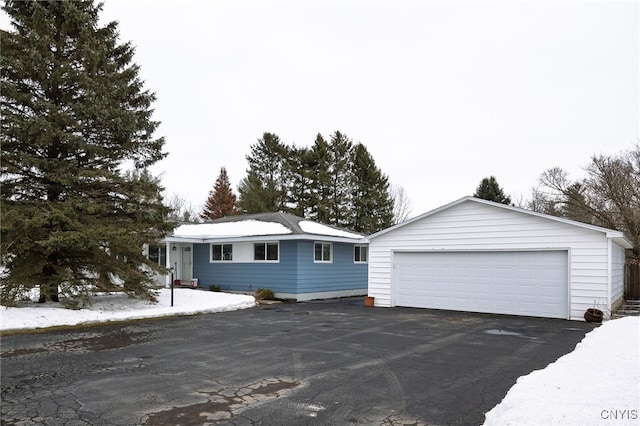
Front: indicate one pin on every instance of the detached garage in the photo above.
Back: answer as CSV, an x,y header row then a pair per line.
x,y
480,256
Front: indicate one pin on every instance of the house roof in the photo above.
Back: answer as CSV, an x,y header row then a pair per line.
x,y
617,236
260,226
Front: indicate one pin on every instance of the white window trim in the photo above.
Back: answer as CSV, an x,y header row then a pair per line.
x,y
330,252
265,252
222,253
357,262
157,249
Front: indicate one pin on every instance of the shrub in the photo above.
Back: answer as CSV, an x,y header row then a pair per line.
x,y
264,293
214,287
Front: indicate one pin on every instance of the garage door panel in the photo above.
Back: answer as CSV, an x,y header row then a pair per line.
x,y
519,283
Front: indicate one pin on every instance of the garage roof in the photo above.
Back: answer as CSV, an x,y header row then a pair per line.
x,y
617,236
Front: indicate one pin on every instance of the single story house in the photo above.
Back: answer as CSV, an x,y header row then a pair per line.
x,y
480,256
294,257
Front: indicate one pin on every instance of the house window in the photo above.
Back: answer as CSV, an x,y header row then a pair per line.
x,y
221,252
265,252
322,252
360,254
158,255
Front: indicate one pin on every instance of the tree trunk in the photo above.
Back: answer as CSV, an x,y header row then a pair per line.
x,y
49,289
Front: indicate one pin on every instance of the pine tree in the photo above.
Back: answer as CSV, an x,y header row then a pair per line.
x,y
263,189
300,169
340,202
74,115
373,205
321,181
222,200
335,182
491,191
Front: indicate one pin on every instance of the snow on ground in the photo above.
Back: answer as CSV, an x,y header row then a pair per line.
x,y
596,384
117,306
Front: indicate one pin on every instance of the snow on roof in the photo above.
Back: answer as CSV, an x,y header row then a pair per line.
x,y
247,228
320,229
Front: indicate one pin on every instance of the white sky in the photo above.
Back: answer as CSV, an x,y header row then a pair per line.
x,y
441,93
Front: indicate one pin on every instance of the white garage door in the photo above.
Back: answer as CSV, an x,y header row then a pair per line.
x,y
532,283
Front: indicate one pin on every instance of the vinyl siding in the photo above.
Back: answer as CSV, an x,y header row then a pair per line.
x,y
294,274
476,226
341,274
617,274
247,276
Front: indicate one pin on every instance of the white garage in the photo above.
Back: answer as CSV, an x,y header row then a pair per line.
x,y
479,256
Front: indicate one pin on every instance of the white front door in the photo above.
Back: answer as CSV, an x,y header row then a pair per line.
x,y
186,271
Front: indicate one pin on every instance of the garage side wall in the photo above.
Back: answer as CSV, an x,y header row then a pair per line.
x,y
472,226
617,275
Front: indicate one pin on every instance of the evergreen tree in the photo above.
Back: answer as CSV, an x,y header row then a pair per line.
x,y
321,181
222,200
263,190
74,112
333,182
372,208
339,171
300,168
491,191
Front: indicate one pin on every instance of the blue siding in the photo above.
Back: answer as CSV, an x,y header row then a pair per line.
x,y
341,274
279,277
296,273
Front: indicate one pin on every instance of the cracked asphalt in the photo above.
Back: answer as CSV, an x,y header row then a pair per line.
x,y
314,363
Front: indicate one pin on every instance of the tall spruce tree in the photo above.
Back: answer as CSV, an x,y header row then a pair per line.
x,y
339,171
320,182
334,182
491,191
74,112
263,189
300,167
372,208
222,200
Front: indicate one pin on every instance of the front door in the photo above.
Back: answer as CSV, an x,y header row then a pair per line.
x,y
186,272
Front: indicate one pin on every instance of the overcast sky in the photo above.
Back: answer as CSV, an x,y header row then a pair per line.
x,y
441,93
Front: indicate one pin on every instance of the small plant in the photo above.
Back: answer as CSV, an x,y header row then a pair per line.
x,y
214,287
264,293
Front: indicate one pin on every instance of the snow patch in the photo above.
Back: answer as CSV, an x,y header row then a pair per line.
x,y
596,384
320,229
118,306
245,228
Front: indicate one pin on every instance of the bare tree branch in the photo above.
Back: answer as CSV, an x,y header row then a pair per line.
x,y
181,209
609,196
401,203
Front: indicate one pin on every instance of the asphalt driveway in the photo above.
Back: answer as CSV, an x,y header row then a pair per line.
x,y
316,363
